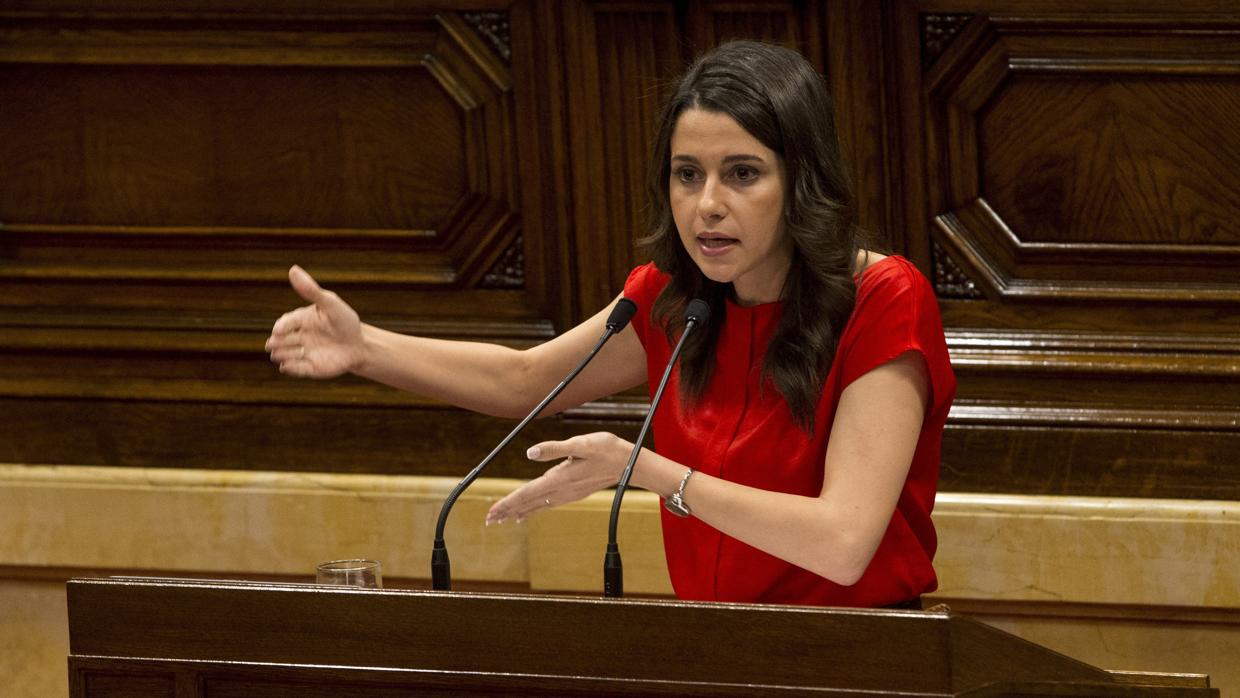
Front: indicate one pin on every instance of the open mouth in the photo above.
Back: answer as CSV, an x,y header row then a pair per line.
x,y
716,242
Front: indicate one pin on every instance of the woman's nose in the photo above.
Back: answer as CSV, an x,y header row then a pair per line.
x,y
710,205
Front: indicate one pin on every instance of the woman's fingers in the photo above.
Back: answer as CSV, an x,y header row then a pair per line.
x,y
582,446
286,343
291,322
523,501
587,464
287,352
551,450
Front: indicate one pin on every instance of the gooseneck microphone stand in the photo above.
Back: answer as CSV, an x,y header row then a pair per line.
x,y
697,313
441,567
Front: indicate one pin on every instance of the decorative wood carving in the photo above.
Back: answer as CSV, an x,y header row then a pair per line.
x,y
493,26
937,32
949,280
509,271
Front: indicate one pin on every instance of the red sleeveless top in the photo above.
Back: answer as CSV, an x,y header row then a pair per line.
x,y
745,433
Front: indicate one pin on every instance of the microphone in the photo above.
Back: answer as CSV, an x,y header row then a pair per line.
x,y
441,568
698,313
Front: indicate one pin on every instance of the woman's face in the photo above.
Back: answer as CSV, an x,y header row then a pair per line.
x,y
727,195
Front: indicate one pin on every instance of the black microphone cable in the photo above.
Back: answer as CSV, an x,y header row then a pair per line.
x,y
697,313
441,568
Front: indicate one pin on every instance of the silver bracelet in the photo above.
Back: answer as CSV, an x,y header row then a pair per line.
x,y
676,502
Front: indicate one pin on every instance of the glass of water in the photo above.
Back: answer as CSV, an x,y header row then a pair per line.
x,y
353,573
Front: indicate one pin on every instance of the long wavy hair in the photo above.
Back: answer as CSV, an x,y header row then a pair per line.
x,y
778,97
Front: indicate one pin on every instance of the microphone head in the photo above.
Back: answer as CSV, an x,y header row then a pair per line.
x,y
621,314
697,312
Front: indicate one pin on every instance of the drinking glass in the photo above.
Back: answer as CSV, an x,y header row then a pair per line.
x,y
353,573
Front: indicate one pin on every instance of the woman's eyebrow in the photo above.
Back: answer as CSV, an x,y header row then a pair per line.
x,y
744,157
727,160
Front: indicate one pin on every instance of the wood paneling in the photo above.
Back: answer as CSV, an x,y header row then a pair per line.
x,y
1077,168
307,147
1108,177
1077,212
623,55
188,148
166,166
1065,176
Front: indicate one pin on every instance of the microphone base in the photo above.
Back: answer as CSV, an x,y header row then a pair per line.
x,y
441,568
613,573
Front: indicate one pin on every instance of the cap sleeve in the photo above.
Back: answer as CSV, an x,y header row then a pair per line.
x,y
643,287
897,312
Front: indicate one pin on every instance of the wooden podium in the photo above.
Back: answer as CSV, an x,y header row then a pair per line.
x,y
181,638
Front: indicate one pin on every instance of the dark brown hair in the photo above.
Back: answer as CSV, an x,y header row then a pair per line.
x,y
778,97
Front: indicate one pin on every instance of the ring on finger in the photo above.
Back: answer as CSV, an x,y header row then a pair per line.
x,y
547,501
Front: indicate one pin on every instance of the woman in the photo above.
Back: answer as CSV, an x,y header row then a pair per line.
x,y
804,432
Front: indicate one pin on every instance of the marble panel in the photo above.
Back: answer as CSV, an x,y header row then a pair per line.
x,y
1089,549
1052,554
34,638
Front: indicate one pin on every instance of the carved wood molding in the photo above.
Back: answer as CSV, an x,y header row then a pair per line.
x,y
459,250
938,30
949,280
1013,261
1050,382
509,270
146,332
1092,417
495,28
993,255
1068,363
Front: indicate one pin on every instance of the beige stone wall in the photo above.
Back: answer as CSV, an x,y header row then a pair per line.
x,y
1122,584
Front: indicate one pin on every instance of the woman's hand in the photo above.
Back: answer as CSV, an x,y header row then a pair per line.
x,y
591,463
321,340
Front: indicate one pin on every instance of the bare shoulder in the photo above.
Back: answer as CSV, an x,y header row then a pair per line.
x,y
867,259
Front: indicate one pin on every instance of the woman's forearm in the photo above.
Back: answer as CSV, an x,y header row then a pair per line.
x,y
501,381
805,531
486,378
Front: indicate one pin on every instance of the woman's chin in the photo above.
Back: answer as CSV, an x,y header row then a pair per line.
x,y
714,270
719,276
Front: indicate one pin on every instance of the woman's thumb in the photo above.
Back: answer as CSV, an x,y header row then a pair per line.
x,y
304,284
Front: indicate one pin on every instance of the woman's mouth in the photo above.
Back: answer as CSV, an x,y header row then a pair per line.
x,y
715,244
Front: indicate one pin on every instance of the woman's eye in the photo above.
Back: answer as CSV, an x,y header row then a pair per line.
x,y
686,175
744,174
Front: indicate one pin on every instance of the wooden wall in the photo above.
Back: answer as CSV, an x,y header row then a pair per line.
x,y
1072,181
1067,174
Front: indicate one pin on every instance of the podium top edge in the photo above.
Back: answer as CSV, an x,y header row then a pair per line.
x,y
202,583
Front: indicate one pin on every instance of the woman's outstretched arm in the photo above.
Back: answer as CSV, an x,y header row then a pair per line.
x,y
327,338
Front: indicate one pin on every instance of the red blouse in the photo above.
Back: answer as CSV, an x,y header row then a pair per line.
x,y
742,433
